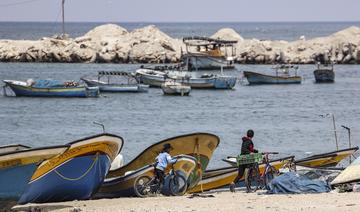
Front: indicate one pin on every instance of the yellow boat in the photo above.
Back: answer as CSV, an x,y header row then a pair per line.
x,y
326,159
218,178
124,185
198,145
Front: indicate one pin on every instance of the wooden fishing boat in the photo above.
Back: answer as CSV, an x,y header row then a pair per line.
x,y
117,81
175,88
282,76
13,148
50,88
315,161
155,78
350,174
123,186
198,145
204,53
17,167
324,73
75,174
221,177
326,159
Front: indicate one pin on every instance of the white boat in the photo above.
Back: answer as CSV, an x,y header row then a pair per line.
x,y
117,81
171,87
204,53
156,78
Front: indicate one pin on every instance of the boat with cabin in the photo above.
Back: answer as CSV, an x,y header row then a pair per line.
x,y
282,76
324,73
155,77
203,53
116,81
50,88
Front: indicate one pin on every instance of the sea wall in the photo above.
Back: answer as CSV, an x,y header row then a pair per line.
x,y
113,44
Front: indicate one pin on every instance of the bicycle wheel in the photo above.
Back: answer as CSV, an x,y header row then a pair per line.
x,y
142,186
270,174
177,185
252,178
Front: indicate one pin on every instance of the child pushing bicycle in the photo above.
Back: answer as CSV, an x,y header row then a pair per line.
x,y
247,148
162,161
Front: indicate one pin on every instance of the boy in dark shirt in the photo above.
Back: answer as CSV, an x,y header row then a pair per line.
x,y
247,147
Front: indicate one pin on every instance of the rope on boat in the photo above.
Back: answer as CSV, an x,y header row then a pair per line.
x,y
83,175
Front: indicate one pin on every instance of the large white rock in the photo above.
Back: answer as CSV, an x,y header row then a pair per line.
x,y
227,34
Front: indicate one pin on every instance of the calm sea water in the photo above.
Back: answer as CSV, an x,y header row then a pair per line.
x,y
278,31
285,117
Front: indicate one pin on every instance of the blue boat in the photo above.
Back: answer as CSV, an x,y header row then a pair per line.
x,y
76,174
50,88
282,76
17,167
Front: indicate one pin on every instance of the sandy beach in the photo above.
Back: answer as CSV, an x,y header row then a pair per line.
x,y
213,201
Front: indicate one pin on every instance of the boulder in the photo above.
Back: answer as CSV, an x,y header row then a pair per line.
x,y
227,34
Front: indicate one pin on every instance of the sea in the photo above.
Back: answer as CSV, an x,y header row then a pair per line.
x,y
290,119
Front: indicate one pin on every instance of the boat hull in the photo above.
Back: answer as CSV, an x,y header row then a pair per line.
x,y
206,62
28,91
76,179
260,79
350,174
216,82
324,76
179,90
17,168
76,174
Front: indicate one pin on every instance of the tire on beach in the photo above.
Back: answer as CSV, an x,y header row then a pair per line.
x,y
252,178
177,185
142,186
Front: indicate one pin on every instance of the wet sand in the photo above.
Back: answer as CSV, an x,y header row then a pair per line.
x,y
215,201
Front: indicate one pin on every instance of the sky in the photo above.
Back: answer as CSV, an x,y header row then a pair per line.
x,y
181,10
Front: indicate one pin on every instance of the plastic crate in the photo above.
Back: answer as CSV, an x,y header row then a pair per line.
x,y
249,158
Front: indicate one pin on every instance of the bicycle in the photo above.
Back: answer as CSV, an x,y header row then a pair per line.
x,y
146,186
253,179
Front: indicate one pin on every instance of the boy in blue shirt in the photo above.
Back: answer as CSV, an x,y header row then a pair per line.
x,y
162,161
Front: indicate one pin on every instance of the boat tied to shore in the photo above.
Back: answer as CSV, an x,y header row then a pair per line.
x,y
50,88
203,53
116,81
155,77
282,76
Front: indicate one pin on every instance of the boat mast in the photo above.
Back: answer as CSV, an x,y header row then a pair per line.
x,y
63,16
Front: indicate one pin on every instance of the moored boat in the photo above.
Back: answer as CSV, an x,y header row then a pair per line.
x,y
175,88
117,81
156,78
17,167
51,88
123,186
204,53
198,145
282,76
75,174
324,73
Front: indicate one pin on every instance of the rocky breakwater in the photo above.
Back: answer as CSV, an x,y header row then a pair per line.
x,y
106,43
113,44
342,47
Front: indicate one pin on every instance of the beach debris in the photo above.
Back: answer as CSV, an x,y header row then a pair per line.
x,y
200,195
